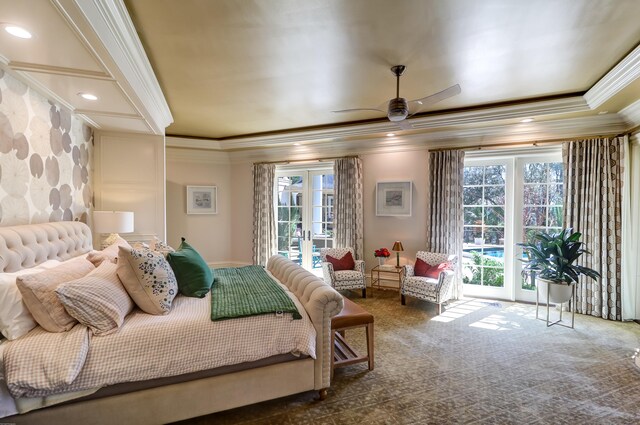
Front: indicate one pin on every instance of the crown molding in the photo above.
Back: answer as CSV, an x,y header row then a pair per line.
x,y
620,76
631,114
191,143
473,117
471,136
107,29
59,70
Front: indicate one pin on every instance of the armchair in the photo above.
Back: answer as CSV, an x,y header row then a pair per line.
x,y
430,289
343,279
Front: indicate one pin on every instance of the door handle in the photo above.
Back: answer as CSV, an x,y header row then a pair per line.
x,y
308,235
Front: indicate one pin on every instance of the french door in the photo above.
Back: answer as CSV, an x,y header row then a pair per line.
x,y
505,200
304,213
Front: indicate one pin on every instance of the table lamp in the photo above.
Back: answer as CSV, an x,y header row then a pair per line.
x,y
112,222
397,247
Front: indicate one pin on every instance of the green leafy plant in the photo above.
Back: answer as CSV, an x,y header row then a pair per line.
x,y
552,256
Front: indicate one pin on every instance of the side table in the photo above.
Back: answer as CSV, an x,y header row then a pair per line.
x,y
386,271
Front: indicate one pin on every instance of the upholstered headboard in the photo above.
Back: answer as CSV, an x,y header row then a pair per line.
x,y
27,246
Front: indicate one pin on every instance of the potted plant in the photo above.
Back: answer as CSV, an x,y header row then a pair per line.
x,y
552,257
382,254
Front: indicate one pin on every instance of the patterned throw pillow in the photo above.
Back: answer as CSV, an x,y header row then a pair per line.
x,y
97,300
344,263
148,279
161,247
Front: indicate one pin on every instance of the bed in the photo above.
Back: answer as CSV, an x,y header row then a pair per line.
x,y
208,379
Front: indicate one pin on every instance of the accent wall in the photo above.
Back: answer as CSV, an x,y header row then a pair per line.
x,y
45,158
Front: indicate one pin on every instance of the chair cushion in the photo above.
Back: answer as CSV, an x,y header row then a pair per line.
x,y
344,263
343,275
421,287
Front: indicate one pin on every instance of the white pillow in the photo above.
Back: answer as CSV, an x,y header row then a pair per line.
x,y
110,253
15,318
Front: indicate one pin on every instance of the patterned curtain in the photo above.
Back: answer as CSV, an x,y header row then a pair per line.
x,y
446,170
264,222
593,206
348,191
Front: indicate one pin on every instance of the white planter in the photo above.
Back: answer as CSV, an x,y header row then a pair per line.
x,y
381,260
558,292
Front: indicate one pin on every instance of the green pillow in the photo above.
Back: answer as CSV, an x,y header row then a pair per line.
x,y
193,274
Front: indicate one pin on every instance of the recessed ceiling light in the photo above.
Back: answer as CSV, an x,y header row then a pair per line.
x,y
88,96
296,144
17,31
391,134
603,112
527,120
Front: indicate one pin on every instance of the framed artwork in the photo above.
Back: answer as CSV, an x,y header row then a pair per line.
x,y
202,200
393,198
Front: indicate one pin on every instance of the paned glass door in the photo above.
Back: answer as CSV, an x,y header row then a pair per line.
x,y
304,214
486,236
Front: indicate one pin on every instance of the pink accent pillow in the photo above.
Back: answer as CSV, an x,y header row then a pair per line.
x,y
344,263
434,271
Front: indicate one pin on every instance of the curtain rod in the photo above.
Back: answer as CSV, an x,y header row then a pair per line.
x,y
551,142
328,158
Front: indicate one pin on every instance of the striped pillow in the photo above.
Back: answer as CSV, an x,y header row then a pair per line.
x,y
98,300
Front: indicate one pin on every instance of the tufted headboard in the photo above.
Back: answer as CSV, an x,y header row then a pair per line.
x,y
27,246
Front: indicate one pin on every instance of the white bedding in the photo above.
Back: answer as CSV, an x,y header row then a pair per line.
x,y
148,347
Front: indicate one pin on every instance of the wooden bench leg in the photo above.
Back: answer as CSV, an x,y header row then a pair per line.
x,y
370,345
402,300
333,350
323,394
364,292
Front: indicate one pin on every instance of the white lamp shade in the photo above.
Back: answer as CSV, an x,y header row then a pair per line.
x,y
113,221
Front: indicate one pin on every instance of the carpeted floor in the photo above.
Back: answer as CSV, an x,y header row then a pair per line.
x,y
480,362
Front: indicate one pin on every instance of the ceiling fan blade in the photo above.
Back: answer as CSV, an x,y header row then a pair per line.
x,y
404,124
358,109
437,97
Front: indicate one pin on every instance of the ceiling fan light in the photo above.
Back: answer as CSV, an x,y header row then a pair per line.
x,y
398,109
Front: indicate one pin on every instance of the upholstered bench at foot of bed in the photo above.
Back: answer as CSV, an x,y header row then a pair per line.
x,y
351,316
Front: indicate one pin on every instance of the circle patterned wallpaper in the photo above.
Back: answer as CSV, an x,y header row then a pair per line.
x,y
45,159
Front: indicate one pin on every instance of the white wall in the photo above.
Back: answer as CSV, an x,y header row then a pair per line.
x,y
382,232
228,237
130,176
209,234
242,217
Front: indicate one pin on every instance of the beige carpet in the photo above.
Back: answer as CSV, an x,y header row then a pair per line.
x,y
479,362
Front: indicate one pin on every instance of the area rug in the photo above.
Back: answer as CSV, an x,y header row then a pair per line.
x,y
479,362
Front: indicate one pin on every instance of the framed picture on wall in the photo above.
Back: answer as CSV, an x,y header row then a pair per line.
x,y
393,198
202,200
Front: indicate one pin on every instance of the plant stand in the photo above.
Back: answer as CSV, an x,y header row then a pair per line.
x,y
572,306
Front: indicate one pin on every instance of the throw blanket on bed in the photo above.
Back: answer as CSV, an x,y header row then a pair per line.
x,y
248,291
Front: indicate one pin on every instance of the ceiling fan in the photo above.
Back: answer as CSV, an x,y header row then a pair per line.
x,y
399,109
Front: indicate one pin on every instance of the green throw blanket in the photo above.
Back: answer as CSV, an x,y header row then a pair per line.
x,y
248,291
